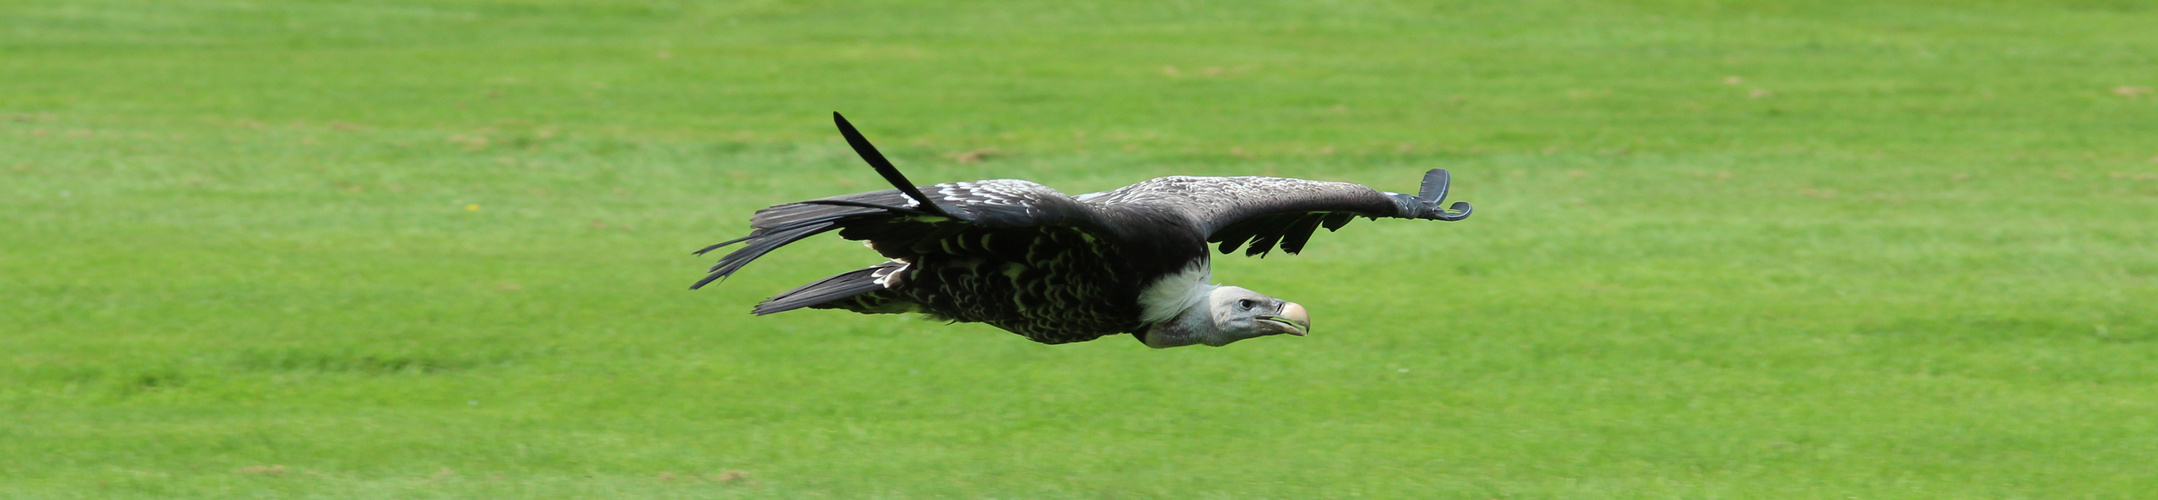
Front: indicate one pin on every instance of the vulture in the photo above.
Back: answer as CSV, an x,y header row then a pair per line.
x,y
1057,268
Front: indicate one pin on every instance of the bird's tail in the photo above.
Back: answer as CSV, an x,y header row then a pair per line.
x,y
760,242
779,225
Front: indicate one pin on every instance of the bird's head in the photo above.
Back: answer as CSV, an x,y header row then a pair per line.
x,y
1229,314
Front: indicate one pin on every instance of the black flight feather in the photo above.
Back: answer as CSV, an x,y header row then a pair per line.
x,y
884,167
857,204
758,246
847,284
715,246
1434,187
1335,220
1300,232
1263,244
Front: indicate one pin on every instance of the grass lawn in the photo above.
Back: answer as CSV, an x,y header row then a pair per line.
x,y
401,249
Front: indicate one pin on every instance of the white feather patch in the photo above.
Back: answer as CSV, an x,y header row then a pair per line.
x,y
884,276
1171,295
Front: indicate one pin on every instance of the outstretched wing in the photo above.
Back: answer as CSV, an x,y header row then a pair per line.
x,y
906,221
1266,211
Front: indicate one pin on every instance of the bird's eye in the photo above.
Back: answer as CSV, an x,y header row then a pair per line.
x,y
1246,303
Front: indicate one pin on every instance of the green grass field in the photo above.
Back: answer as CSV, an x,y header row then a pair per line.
x,y
400,249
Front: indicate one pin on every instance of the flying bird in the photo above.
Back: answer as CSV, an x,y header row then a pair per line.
x,y
1057,268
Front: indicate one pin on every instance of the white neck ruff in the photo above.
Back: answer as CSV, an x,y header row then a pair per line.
x,y
1171,295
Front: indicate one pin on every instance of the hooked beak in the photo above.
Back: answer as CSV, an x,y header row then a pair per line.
x,y
1295,318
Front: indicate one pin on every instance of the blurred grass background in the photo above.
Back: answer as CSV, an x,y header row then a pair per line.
x,y
1723,249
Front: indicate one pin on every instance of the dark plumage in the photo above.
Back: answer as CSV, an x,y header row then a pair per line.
x,y
1056,268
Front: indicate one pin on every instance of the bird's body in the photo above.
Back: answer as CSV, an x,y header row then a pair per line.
x,y
1056,268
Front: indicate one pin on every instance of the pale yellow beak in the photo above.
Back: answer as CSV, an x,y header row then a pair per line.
x,y
1295,313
